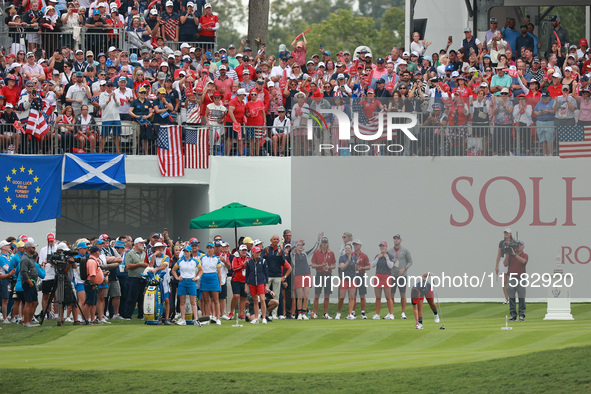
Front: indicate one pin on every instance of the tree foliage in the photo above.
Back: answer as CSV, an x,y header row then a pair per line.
x,y
230,14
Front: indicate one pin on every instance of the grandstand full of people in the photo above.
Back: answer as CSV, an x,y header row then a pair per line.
x,y
91,72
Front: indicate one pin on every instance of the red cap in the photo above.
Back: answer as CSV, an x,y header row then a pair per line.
x,y
370,90
256,249
12,55
583,41
216,93
383,243
189,92
51,237
521,95
104,236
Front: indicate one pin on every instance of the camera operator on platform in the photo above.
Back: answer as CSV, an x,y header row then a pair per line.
x,y
516,261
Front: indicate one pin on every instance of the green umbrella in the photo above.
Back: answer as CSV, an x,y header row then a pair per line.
x,y
235,215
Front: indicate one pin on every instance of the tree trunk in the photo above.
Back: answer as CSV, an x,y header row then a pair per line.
x,y
258,23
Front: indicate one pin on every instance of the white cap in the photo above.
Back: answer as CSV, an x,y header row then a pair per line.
x,y
103,82
507,230
243,247
207,5
222,67
257,242
138,240
30,243
568,68
241,92
190,4
8,105
62,246
402,62
111,49
406,54
321,64
184,44
157,245
341,76
484,85
169,3
358,242
557,75
153,11
270,84
414,53
4,243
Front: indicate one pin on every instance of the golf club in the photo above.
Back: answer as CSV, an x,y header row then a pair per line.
x,y
438,305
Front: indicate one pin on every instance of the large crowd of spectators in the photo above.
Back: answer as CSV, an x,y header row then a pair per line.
x,y
492,92
107,278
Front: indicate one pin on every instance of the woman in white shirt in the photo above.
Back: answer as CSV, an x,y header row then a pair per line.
x,y
187,271
522,116
211,283
281,127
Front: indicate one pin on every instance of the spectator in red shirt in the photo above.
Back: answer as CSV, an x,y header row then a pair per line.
x,y
255,120
555,89
238,282
236,109
323,261
299,50
10,93
223,83
208,25
245,66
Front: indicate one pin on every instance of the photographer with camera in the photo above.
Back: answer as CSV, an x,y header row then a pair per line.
x,y
515,262
49,280
94,277
61,289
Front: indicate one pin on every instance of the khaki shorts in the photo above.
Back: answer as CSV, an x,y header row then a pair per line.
x,y
114,289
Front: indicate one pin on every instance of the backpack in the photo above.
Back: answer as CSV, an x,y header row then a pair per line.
x,y
83,270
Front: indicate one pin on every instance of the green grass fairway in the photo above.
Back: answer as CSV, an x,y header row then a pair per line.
x,y
299,348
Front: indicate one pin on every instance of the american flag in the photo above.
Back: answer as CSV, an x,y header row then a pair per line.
x,y
170,151
574,141
37,123
368,126
197,148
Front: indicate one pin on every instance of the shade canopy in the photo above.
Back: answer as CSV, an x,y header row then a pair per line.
x,y
235,215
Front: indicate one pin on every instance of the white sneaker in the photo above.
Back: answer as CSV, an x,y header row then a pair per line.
x,y
255,321
327,316
403,316
363,316
376,317
338,316
305,317
218,322
274,315
264,321
69,320
181,322
300,317
105,320
436,318
177,316
14,320
6,321
119,317
314,315
225,317
389,316
419,326
281,317
351,317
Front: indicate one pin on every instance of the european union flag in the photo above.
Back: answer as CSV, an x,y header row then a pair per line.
x,y
95,171
31,188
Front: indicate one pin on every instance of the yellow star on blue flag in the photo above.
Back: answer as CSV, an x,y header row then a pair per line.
x,y
32,190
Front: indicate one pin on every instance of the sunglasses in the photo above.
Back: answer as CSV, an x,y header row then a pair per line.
x,y
402,88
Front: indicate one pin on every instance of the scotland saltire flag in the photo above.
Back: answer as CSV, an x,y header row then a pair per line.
x,y
30,188
93,171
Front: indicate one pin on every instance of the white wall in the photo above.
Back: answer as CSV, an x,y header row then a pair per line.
x,y
444,18
262,183
375,198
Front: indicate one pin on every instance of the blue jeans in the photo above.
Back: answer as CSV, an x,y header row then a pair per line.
x,y
135,291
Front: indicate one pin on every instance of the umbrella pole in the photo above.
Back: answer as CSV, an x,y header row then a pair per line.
x,y
236,236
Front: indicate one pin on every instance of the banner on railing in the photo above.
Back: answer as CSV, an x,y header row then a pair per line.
x,y
170,151
197,148
94,171
31,188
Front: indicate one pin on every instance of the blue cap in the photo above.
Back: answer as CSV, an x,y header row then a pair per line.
x,y
545,94
82,245
122,79
96,12
427,57
488,56
208,55
119,244
187,249
327,53
133,58
210,244
436,106
79,74
99,242
195,242
101,54
363,51
449,67
224,57
94,249
380,60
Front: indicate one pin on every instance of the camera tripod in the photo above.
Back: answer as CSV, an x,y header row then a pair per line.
x,y
57,291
